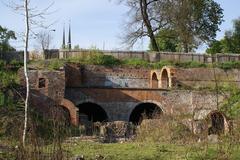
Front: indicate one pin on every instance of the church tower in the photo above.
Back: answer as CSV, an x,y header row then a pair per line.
x,y
63,43
69,37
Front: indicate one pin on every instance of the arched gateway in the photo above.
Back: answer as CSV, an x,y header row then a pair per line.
x,y
91,112
145,111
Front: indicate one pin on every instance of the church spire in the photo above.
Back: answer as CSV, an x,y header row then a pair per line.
x,y
69,37
63,44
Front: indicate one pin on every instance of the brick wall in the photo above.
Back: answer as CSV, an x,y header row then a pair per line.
x,y
48,83
119,103
207,77
100,76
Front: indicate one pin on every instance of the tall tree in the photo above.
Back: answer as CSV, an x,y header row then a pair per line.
x,y
5,36
26,41
44,39
33,18
167,40
230,43
145,19
195,21
215,47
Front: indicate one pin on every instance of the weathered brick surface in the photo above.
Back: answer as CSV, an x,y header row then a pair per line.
x,y
100,76
54,83
119,103
198,77
50,98
119,90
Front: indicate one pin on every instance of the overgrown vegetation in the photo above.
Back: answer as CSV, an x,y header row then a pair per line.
x,y
231,106
166,138
229,43
229,65
97,58
42,130
5,36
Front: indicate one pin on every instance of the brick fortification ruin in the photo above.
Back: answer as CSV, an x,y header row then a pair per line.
x,y
92,93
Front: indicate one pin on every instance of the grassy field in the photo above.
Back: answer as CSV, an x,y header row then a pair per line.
x,y
154,151
141,151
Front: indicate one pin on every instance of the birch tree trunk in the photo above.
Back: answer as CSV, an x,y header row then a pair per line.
x,y
26,70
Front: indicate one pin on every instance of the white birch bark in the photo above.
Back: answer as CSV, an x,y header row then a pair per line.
x,y
26,37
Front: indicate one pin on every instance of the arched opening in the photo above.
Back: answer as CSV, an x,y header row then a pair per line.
x,y
72,110
145,111
216,121
66,117
154,80
91,112
164,79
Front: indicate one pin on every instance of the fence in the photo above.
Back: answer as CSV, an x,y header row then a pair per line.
x,y
148,56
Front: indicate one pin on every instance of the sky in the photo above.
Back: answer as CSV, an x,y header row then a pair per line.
x,y
94,23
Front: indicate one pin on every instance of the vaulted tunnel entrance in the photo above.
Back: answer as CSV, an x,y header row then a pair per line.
x,y
145,111
217,123
91,112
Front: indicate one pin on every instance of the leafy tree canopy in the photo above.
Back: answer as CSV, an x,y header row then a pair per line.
x,y
167,40
189,23
5,36
230,42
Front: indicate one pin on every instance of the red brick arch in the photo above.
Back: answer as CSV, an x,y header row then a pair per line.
x,y
73,111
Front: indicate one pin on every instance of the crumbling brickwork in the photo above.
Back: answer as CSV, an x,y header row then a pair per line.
x,y
113,93
169,77
48,83
111,77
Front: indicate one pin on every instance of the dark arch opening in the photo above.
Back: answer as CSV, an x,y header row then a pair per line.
x,y
154,81
145,111
92,112
217,124
165,79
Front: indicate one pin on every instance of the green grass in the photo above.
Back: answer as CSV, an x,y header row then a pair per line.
x,y
124,151
141,151
152,151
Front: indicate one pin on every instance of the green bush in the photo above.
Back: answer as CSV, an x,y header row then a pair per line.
x,y
161,64
7,79
1,99
100,59
228,65
190,64
136,63
231,106
16,64
2,64
55,64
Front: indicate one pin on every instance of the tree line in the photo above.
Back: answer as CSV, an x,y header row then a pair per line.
x,y
230,43
173,25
